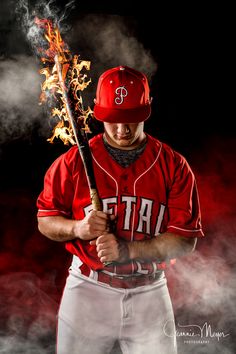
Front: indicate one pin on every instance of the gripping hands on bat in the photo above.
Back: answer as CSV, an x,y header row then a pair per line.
x,y
98,224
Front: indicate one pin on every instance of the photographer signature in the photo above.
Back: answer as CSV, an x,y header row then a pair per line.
x,y
192,330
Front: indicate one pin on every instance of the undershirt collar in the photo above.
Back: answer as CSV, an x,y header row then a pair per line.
x,y
125,157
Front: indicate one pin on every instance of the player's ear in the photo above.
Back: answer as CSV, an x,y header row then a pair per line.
x,y
94,100
150,100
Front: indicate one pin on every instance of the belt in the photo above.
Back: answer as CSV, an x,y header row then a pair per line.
x,y
115,280
128,282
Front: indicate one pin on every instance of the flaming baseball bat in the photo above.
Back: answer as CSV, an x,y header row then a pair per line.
x,y
64,81
81,141
67,68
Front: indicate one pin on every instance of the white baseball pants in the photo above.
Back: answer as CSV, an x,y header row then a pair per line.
x,y
93,316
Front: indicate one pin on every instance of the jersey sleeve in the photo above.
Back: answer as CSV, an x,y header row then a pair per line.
x,y
183,205
57,195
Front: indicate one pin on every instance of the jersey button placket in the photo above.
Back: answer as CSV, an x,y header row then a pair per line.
x,y
124,183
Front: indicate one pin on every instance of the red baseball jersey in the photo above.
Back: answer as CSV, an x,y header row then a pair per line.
x,y
157,193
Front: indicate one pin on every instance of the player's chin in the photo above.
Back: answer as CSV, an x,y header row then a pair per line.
x,y
123,142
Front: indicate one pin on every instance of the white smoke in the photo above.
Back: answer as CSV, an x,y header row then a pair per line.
x,y
108,41
26,12
28,315
19,98
42,9
111,42
203,288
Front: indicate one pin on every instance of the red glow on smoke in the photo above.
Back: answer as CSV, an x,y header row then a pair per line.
x,y
32,275
208,272
23,248
216,181
32,268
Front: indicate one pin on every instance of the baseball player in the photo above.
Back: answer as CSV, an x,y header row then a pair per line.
x,y
116,290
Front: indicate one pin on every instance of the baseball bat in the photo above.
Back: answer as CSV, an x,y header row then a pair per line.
x,y
82,144
81,141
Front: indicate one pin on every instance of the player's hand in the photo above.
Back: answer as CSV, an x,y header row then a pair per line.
x,y
95,224
110,249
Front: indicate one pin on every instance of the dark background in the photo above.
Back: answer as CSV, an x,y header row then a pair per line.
x,y
192,111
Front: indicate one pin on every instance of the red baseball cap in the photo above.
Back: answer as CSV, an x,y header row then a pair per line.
x,y
122,96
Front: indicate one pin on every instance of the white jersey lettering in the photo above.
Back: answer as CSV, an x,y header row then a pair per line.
x,y
159,219
145,213
107,208
128,210
87,209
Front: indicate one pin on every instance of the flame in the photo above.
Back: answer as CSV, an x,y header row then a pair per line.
x,y
74,81
56,44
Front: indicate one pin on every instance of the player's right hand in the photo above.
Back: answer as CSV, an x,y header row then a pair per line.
x,y
95,224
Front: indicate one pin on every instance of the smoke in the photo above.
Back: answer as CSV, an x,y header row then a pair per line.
x,y
20,81
26,13
19,98
203,290
109,40
28,315
106,41
203,284
32,275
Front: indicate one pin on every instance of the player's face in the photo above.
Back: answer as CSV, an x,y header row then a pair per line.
x,y
125,136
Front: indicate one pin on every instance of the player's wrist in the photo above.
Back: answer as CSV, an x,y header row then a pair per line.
x,y
123,248
132,253
76,229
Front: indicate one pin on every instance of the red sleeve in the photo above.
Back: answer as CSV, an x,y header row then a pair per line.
x,y
183,205
57,195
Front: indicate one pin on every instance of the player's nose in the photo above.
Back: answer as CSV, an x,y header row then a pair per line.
x,y
122,129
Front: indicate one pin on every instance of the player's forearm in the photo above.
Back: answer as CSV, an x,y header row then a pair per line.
x,y
163,247
57,228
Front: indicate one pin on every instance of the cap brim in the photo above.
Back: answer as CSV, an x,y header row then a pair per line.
x,y
116,115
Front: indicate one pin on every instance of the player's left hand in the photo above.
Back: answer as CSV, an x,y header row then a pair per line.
x,y
110,249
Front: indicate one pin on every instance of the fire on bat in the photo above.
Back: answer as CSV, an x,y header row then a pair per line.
x,y
65,81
